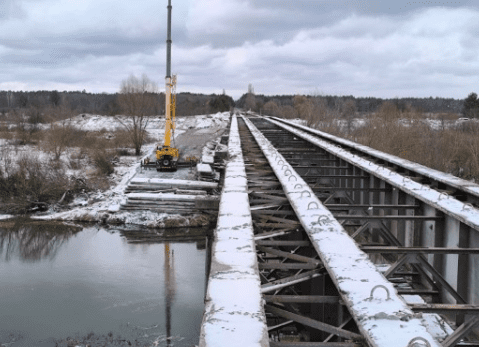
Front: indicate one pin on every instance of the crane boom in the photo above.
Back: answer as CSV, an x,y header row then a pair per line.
x,y
170,103
167,156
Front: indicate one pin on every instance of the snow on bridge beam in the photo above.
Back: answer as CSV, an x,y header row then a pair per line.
x,y
436,175
384,320
234,314
445,203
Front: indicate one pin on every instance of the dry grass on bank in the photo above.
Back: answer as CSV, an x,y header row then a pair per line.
x,y
454,150
34,164
32,184
447,146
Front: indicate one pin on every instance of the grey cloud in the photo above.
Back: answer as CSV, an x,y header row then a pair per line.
x,y
64,53
279,20
9,9
261,20
336,47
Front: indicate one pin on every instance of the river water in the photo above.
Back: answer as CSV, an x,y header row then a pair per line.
x,y
72,286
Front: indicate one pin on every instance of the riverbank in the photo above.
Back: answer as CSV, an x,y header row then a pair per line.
x,y
193,134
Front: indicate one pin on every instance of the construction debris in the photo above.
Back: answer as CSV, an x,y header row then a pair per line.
x,y
205,172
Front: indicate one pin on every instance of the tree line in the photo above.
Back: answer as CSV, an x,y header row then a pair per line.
x,y
187,104
192,104
257,103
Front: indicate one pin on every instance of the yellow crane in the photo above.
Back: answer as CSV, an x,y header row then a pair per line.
x,y
167,155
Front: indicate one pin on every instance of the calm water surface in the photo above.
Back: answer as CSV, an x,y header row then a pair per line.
x,y
69,285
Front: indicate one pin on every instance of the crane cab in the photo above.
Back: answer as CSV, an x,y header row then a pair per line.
x,y
166,158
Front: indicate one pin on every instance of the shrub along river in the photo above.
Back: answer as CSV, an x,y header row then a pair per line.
x,y
70,285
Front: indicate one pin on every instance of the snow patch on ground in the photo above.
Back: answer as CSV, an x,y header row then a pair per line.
x,y
104,206
155,126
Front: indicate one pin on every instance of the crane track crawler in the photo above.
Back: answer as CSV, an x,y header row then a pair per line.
x,y
166,158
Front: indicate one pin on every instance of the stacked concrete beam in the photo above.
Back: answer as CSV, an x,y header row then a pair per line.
x,y
234,314
170,203
149,184
170,196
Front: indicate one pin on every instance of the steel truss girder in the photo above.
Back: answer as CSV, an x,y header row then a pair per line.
x,y
288,281
284,243
315,344
411,259
288,255
446,308
313,323
391,217
324,189
317,299
332,207
418,262
460,332
268,212
420,172
419,250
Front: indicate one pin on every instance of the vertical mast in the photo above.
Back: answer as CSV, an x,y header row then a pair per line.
x,y
168,43
169,84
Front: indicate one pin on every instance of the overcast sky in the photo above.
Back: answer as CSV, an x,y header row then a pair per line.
x,y
389,48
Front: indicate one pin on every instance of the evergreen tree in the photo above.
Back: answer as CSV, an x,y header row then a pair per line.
x,y
471,106
55,98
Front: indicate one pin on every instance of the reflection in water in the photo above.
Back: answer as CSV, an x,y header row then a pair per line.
x,y
146,236
135,236
33,241
170,288
101,287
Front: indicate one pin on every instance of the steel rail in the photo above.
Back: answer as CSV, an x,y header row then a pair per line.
x,y
469,188
353,273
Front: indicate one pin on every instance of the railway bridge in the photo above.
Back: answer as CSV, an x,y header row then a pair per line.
x,y
321,241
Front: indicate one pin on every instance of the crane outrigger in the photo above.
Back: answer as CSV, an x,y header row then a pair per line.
x,y
167,156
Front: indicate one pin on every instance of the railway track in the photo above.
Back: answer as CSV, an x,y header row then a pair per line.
x,y
327,221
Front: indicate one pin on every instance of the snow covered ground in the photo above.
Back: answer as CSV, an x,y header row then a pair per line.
x,y
155,126
433,122
104,205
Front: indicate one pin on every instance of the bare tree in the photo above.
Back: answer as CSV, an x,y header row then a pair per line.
x,y
137,100
271,108
289,112
348,111
58,138
250,102
304,106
